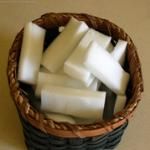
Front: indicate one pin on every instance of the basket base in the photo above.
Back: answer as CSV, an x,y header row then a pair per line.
x,y
37,140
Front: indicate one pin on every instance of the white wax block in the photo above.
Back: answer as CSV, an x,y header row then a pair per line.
x,y
110,47
74,64
78,72
120,103
58,51
83,121
78,103
94,85
61,28
100,38
119,51
106,68
56,79
60,118
31,53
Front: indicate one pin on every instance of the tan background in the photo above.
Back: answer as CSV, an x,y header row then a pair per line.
x,y
132,15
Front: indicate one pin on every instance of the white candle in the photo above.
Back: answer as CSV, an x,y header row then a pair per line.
x,y
74,64
31,53
110,47
120,103
59,80
119,51
60,118
94,85
83,121
78,103
101,64
61,28
58,51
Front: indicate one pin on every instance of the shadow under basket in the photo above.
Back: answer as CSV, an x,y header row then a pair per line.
x,y
45,134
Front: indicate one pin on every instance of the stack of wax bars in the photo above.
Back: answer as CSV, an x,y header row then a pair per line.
x,y
79,77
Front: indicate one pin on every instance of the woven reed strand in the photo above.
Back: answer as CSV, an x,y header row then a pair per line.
x,y
37,140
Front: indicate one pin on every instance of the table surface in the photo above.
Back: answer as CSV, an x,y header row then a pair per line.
x,y
132,15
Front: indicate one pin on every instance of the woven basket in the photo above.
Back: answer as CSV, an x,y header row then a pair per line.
x,y
45,134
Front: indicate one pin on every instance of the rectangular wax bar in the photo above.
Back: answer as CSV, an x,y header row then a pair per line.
x,y
59,80
101,64
78,103
83,121
74,64
119,51
120,103
58,51
110,47
60,117
94,85
31,53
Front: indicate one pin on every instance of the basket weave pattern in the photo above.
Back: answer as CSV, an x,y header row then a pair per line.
x,y
37,140
65,130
